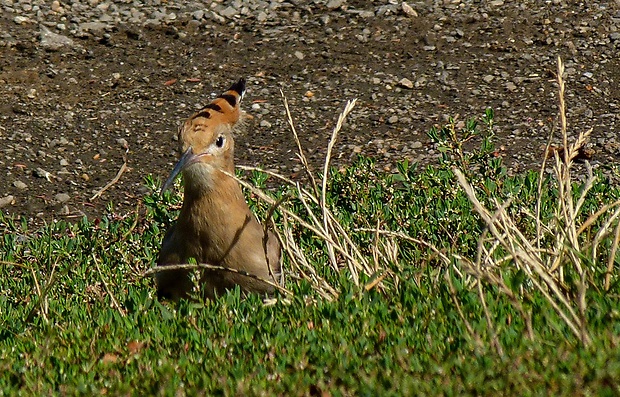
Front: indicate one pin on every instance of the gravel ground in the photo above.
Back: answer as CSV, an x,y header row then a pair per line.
x,y
85,84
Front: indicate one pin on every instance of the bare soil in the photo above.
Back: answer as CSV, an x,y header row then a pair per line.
x,y
69,117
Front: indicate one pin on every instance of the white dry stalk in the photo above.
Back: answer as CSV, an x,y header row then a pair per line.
x,y
612,257
547,265
330,146
521,249
326,228
281,177
603,232
300,263
300,150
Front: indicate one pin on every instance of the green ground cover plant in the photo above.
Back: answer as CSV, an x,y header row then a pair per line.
x,y
453,279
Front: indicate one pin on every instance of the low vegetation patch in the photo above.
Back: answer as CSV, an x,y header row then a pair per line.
x,y
450,279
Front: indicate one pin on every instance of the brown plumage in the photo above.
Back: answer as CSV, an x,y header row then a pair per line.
x,y
215,225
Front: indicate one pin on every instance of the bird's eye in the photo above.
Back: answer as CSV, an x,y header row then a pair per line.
x,y
219,142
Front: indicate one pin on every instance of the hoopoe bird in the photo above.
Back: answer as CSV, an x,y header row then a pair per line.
x,y
215,225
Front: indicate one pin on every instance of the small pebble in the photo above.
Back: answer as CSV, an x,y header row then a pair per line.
x,y
334,4
62,197
408,10
406,83
41,173
20,185
7,200
122,142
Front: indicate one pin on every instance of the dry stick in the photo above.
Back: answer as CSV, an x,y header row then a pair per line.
x,y
481,247
374,282
562,169
8,263
565,175
581,303
107,288
559,310
289,245
40,299
187,266
500,215
113,181
311,213
134,224
577,207
405,237
330,146
569,154
563,235
524,253
361,263
266,234
487,315
42,295
470,329
512,230
327,224
495,340
375,250
320,227
593,218
376,253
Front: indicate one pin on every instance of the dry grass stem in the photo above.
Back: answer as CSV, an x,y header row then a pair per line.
x,y
114,180
612,257
545,267
327,219
522,251
118,307
342,251
300,150
205,266
42,302
470,329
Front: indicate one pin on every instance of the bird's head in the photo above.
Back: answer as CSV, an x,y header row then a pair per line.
x,y
206,139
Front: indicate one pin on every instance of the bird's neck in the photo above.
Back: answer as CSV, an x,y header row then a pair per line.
x,y
212,202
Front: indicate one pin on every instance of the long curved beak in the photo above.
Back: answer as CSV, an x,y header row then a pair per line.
x,y
186,160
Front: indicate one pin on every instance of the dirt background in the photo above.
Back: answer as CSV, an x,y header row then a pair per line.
x,y
75,105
